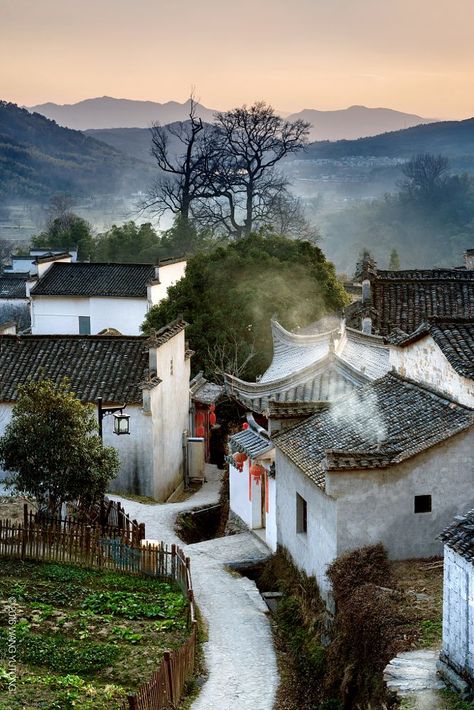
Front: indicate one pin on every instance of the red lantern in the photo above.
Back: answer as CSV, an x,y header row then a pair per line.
x,y
239,459
212,418
212,407
245,425
256,471
200,431
200,419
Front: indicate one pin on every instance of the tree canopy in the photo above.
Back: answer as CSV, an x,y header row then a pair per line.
x,y
229,295
68,231
52,449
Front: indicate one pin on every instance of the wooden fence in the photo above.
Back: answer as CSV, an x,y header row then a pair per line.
x,y
104,548
109,515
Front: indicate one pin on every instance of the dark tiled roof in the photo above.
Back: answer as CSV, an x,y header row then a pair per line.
x,y
292,410
160,337
454,338
203,391
250,442
13,285
460,535
381,424
97,366
404,299
84,279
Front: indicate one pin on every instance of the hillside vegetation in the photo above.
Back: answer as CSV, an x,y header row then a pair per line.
x,y
38,158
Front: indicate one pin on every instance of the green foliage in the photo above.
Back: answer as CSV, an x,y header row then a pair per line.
x,y
132,605
431,631
230,293
68,231
128,242
58,652
52,447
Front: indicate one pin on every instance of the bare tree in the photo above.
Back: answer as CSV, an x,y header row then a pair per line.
x,y
180,153
242,179
231,356
425,173
288,218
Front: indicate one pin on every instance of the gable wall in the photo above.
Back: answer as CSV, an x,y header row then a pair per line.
x,y
60,315
423,361
168,276
315,550
458,612
378,505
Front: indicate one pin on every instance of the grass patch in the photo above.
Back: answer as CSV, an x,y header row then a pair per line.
x,y
83,638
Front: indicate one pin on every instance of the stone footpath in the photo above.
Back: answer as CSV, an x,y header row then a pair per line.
x,y
412,675
239,653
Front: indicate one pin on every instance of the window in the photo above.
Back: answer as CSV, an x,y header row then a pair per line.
x,y
171,366
84,325
301,514
422,504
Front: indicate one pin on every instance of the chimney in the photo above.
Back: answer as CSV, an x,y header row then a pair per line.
x,y
157,272
367,325
469,259
366,296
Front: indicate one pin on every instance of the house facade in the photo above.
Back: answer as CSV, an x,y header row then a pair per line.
x,y
457,655
150,377
391,463
88,298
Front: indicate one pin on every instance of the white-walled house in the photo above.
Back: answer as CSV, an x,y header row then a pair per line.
x,y
457,654
391,463
14,305
88,298
253,498
150,376
21,263
439,353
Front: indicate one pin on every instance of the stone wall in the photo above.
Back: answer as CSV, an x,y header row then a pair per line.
x,y
458,613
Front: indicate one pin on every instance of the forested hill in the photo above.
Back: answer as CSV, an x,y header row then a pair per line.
x,y
39,158
451,138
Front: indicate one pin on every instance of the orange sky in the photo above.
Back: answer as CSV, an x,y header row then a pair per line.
x,y
412,55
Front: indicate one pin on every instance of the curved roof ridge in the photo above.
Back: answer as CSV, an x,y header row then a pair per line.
x,y
377,340
287,336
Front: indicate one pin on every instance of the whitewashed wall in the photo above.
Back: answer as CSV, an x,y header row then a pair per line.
x,y
458,612
423,361
170,415
135,452
378,505
60,315
270,517
168,276
314,550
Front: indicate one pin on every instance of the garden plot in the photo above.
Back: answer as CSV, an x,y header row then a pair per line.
x,y
82,638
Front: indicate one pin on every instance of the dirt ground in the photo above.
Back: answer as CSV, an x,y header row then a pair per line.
x,y
422,582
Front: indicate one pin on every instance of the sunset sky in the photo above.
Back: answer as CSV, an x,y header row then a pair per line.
x,y
411,55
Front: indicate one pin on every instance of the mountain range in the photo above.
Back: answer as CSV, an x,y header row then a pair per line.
x,y
107,112
38,158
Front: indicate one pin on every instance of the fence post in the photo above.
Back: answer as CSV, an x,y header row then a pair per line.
x,y
24,536
167,659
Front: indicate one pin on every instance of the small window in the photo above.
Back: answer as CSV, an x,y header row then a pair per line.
x,y
301,514
422,504
171,366
84,325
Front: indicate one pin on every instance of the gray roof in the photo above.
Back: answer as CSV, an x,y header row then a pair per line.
x,y
459,536
94,279
382,424
454,338
13,285
205,392
250,442
96,366
315,367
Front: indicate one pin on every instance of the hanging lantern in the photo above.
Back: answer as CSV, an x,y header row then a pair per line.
x,y
245,425
200,419
239,459
256,472
212,418
200,431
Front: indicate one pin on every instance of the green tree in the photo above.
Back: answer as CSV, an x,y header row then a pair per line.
x,y
394,263
68,231
230,293
128,242
52,448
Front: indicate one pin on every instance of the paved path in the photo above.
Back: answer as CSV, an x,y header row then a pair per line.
x,y
239,653
412,675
